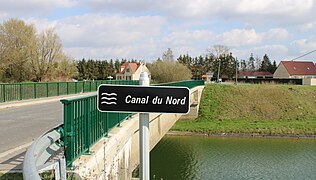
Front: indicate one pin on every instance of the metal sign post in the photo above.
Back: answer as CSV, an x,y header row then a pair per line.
x,y
144,135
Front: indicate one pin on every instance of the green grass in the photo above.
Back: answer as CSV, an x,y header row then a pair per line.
x,y
260,109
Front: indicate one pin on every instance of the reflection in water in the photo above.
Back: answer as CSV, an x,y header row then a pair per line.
x,y
195,157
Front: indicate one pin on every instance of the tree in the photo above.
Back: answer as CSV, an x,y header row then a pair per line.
x,y
220,52
17,49
92,70
228,66
257,63
168,55
49,50
25,56
265,64
273,67
251,63
66,69
117,65
168,71
82,69
243,65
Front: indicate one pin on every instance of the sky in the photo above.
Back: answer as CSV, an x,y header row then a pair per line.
x,y
144,29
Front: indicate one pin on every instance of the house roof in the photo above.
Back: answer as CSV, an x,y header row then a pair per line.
x,y
299,68
133,66
255,73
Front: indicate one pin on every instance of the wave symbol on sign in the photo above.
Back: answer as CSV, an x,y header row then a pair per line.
x,y
108,98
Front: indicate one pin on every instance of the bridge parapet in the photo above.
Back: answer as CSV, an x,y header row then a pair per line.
x,y
117,155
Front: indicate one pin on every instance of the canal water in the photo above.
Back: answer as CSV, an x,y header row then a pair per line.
x,y
197,157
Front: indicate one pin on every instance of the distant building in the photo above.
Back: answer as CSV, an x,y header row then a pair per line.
x,y
255,74
131,71
207,77
295,69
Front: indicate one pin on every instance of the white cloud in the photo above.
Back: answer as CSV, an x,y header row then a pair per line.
x,y
122,5
185,38
207,8
275,52
276,33
95,35
280,50
247,37
302,46
272,7
307,26
99,30
241,37
26,8
145,28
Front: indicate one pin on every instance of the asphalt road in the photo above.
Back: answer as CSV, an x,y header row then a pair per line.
x,y
22,125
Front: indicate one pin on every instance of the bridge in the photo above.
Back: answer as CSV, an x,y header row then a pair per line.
x,y
107,146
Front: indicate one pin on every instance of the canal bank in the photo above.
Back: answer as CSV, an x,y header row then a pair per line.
x,y
188,133
255,110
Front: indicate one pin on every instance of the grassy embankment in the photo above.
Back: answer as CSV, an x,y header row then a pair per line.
x,y
255,109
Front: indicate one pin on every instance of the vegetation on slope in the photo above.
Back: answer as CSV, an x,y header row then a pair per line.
x,y
258,109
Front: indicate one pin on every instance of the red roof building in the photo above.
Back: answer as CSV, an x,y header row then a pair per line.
x,y
255,74
131,71
295,69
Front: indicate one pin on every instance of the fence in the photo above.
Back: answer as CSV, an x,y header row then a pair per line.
x,y
21,91
84,125
263,80
270,80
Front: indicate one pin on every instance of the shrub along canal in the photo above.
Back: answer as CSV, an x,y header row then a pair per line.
x,y
198,157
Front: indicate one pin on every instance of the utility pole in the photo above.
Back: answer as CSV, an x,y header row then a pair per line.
x,y
219,69
236,70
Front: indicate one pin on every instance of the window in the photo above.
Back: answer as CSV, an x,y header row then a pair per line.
x,y
294,68
308,68
127,70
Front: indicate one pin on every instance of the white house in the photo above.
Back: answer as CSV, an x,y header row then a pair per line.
x,y
131,71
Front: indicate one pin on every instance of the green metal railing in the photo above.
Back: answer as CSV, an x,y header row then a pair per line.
x,y
188,84
84,125
21,91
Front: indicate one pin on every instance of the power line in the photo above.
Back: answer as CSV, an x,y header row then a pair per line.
x,y
310,52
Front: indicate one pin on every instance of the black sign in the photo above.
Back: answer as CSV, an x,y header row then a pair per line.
x,y
143,99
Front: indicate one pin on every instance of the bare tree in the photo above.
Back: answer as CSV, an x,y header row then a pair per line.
x,y
220,51
257,63
49,50
168,55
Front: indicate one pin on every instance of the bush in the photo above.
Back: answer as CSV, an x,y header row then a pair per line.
x,y
168,71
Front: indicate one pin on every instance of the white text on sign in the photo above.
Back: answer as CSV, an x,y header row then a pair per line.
x,y
170,100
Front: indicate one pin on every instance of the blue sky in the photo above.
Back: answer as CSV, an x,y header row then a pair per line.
x,y
144,29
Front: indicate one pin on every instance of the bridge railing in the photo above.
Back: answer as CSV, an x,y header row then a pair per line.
x,y
21,91
84,125
188,84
